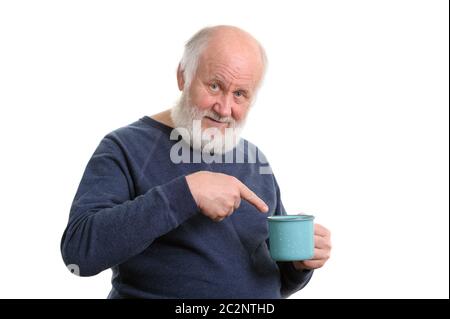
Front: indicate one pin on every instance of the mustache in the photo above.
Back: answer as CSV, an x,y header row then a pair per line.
x,y
218,118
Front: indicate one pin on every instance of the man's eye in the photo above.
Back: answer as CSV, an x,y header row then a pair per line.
x,y
214,86
238,93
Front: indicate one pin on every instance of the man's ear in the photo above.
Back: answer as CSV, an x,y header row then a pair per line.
x,y
180,78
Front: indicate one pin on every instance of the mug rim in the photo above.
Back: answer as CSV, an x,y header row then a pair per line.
x,y
284,218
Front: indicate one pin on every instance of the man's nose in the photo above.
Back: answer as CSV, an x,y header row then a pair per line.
x,y
223,106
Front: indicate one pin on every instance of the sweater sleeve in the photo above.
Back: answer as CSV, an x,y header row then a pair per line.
x,y
292,280
107,225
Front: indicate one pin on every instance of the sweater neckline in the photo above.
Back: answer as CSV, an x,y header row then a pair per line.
x,y
162,127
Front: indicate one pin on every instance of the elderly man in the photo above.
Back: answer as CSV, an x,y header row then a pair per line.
x,y
172,228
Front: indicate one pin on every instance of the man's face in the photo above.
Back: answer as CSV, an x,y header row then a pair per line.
x,y
221,92
223,88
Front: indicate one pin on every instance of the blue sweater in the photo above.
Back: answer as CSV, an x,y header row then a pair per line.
x,y
133,212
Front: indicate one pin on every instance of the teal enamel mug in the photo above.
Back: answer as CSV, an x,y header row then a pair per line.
x,y
291,237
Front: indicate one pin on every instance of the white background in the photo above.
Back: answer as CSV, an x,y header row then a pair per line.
x,y
353,117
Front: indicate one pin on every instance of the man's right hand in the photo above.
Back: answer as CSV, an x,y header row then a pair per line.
x,y
218,195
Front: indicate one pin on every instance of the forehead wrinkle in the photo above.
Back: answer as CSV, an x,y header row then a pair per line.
x,y
227,75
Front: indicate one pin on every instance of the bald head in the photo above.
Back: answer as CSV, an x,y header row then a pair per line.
x,y
235,41
219,76
222,42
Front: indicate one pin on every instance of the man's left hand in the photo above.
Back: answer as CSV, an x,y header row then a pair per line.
x,y
322,250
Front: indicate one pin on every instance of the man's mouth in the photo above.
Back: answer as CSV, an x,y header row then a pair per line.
x,y
216,122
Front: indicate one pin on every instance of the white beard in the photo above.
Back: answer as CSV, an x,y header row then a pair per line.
x,y
183,116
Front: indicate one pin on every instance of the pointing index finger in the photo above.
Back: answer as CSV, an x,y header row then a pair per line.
x,y
252,198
